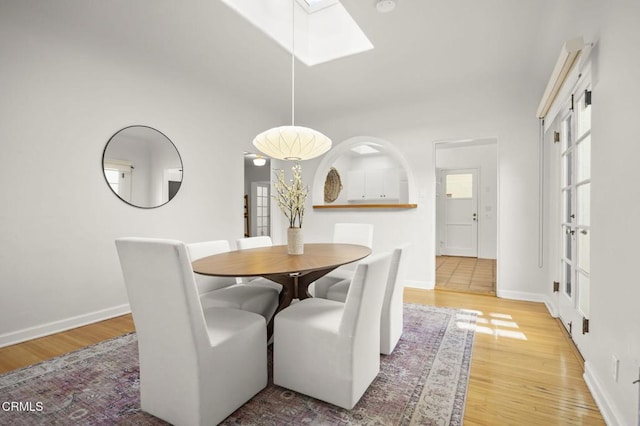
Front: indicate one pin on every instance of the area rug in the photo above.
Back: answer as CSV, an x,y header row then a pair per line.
x,y
423,382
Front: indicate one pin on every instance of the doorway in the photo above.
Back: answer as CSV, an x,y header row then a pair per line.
x,y
466,215
257,196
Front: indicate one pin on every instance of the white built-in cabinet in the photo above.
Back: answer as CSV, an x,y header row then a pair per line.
x,y
375,184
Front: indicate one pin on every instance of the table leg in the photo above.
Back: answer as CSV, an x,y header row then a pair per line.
x,y
304,281
294,286
286,296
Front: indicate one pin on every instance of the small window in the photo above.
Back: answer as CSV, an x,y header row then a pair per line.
x,y
459,186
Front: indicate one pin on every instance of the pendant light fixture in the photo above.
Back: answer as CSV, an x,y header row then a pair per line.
x,y
259,161
292,142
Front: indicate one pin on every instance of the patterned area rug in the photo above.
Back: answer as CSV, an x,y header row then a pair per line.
x,y
423,382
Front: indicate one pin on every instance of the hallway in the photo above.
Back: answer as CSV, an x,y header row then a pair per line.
x,y
466,274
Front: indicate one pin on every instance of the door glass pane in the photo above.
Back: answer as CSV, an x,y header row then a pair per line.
x,y
568,167
566,206
113,178
262,209
566,134
459,186
583,166
568,285
584,204
584,116
583,294
584,250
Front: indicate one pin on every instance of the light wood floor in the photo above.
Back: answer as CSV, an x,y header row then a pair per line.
x,y
33,351
466,274
523,369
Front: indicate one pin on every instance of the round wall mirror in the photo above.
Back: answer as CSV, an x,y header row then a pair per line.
x,y
142,166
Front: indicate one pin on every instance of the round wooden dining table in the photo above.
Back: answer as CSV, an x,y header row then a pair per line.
x,y
294,272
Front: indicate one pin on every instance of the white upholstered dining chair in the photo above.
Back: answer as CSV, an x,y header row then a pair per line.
x,y
344,233
391,320
197,365
256,242
330,350
224,292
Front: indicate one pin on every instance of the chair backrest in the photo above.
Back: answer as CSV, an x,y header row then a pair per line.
x,y
363,306
254,242
208,283
392,304
166,309
353,233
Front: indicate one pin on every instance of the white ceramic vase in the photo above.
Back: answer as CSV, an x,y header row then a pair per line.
x,y
295,241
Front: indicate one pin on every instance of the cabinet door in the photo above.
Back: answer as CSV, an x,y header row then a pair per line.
x,y
356,185
382,185
374,184
392,185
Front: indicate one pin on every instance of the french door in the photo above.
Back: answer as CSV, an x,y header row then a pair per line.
x,y
260,208
575,217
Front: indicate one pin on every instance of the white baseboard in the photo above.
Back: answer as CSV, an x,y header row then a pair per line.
x,y
609,411
551,306
521,295
62,325
425,285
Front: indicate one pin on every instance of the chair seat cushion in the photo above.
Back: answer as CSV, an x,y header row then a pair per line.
x,y
256,299
208,283
265,283
320,287
338,291
227,323
318,314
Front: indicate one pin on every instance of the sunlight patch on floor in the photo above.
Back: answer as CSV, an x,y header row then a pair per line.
x,y
498,325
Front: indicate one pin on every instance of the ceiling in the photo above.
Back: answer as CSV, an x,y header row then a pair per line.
x,y
420,47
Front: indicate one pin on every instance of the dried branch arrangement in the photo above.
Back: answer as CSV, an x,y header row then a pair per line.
x,y
291,197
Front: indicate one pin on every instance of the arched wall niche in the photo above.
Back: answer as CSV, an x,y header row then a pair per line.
x,y
344,159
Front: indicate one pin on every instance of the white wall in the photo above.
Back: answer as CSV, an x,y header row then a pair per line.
x,y
483,157
61,101
615,286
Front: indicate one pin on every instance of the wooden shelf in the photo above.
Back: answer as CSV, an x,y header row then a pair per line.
x,y
365,206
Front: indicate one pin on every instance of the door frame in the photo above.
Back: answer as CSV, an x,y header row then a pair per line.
x,y
467,142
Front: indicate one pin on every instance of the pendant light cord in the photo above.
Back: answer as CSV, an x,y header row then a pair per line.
x,y
293,61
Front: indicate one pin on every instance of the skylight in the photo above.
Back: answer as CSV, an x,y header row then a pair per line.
x,y
314,5
324,29
365,149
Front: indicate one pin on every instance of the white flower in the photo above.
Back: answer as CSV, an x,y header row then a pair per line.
x,y
291,197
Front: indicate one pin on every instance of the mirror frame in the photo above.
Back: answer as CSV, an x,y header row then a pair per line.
x,y
104,152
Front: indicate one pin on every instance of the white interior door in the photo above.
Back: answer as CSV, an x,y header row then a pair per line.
x,y
459,212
